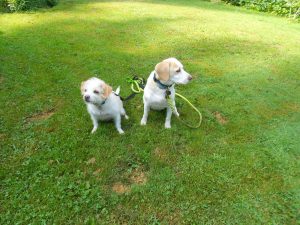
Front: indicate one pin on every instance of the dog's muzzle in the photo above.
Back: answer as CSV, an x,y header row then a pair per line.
x,y
87,98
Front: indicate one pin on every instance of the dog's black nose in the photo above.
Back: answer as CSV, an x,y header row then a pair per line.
x,y
87,98
190,78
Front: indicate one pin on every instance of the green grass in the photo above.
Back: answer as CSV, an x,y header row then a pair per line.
x,y
246,67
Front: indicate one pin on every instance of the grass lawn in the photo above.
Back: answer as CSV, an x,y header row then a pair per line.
x,y
240,167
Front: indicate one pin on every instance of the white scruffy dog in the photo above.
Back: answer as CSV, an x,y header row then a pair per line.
x,y
102,103
162,79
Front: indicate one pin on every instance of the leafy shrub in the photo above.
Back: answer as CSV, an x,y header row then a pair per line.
x,y
23,5
289,8
51,3
3,5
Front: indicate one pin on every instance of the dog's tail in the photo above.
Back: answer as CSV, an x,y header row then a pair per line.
x,y
117,90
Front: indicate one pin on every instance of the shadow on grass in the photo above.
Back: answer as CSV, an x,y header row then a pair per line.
x,y
70,50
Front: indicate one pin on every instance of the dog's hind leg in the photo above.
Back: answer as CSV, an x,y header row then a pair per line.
x,y
146,112
123,113
117,121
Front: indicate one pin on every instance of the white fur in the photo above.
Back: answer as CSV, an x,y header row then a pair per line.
x,y
154,97
112,109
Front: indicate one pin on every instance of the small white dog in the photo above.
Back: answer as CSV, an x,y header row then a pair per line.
x,y
159,83
102,103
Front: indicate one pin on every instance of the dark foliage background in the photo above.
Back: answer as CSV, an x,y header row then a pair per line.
x,y
23,5
290,8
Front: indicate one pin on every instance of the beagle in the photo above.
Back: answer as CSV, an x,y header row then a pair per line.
x,y
102,103
160,83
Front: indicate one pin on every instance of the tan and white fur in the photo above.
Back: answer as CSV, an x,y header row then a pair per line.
x,y
170,71
102,103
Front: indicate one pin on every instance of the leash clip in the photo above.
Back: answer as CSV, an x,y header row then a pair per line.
x,y
168,93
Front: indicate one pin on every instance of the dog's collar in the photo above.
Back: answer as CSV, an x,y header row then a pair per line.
x,y
116,94
103,102
107,98
160,84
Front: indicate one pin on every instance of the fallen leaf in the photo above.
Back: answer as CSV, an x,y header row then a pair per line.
x,y
91,161
96,172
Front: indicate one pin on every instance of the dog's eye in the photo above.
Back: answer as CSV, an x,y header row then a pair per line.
x,y
84,90
96,92
178,70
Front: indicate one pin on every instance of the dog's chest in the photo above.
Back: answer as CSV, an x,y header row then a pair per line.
x,y
155,97
158,101
101,113
105,116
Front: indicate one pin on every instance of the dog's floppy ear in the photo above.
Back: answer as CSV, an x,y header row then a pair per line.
x,y
82,87
107,90
163,70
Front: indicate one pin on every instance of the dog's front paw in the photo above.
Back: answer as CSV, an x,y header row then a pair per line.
x,y
167,125
126,117
94,130
177,114
120,131
143,122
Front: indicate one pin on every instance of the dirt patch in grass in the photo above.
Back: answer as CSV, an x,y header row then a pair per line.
x,y
40,116
120,188
2,136
220,118
160,153
138,177
91,161
290,106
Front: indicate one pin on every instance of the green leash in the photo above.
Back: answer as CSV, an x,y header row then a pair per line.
x,y
137,86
